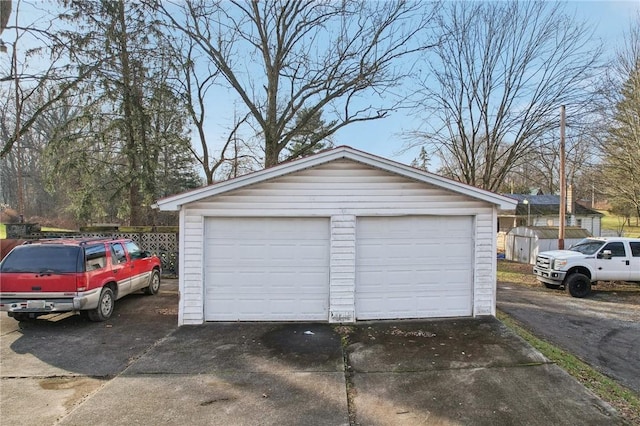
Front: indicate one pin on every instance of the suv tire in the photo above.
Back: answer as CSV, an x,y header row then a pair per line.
x,y
105,306
578,285
154,283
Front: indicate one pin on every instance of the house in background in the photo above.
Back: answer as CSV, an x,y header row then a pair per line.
x,y
544,210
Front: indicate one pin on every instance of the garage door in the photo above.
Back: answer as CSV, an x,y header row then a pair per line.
x,y
414,267
266,269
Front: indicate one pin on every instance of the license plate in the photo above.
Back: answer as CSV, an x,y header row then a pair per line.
x,y
35,304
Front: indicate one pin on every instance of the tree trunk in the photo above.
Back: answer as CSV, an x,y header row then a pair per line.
x,y
135,216
271,153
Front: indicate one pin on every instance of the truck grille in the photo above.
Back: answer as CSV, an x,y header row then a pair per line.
x,y
543,262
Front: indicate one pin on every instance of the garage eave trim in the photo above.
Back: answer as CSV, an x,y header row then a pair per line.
x,y
175,202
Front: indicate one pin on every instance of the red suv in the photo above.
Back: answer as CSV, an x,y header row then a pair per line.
x,y
46,276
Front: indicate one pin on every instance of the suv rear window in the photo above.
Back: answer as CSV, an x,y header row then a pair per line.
x,y
43,258
95,257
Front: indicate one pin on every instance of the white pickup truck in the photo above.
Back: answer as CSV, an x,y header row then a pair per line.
x,y
589,261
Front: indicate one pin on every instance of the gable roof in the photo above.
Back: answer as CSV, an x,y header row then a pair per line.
x,y
550,232
549,204
175,202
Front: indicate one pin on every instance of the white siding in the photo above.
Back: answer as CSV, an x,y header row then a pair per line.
x,y
342,268
191,269
336,188
484,290
341,190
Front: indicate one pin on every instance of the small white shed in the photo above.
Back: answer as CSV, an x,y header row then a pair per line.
x,y
522,244
339,236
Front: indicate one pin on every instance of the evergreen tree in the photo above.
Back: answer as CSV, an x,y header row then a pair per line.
x,y
312,135
136,121
422,161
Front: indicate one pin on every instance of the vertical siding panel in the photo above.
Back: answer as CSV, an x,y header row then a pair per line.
x,y
191,272
181,275
342,275
485,263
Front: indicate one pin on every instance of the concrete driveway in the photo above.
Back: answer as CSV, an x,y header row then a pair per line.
x,y
49,366
139,368
602,330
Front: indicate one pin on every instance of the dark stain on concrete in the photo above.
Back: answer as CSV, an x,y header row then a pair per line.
x,y
303,343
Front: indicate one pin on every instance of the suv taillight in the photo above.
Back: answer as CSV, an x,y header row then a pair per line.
x,y
82,282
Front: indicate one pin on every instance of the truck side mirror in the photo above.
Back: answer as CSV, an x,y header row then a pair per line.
x,y
604,254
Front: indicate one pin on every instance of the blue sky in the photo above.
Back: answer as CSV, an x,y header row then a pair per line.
x,y
609,19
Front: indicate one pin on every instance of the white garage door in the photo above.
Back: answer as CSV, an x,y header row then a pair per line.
x,y
414,267
266,269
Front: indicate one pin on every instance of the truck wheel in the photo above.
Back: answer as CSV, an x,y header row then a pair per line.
x,y
552,286
154,284
105,306
578,285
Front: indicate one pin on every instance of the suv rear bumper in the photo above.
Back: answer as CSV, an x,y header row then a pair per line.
x,y
49,302
549,276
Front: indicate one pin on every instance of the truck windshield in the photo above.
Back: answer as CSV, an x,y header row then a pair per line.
x,y
587,246
42,259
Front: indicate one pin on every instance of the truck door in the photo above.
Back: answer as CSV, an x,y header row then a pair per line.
x,y
614,267
634,272
121,268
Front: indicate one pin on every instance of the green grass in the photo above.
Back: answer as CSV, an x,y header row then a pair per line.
x,y
625,401
613,222
48,229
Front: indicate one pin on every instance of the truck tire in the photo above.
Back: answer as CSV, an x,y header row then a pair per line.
x,y
578,285
105,306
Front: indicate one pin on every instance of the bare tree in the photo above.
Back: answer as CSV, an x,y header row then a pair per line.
x,y
48,60
195,84
621,147
500,79
279,57
539,169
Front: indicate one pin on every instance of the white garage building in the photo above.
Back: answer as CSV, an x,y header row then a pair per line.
x,y
340,236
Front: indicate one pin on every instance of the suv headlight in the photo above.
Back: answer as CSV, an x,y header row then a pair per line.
x,y
559,263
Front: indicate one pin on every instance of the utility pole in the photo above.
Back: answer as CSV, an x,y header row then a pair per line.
x,y
21,211
563,184
5,12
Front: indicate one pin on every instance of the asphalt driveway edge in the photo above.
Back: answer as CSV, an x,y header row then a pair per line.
x,y
621,399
